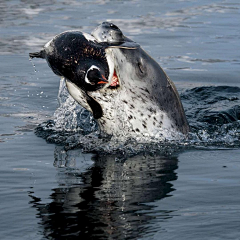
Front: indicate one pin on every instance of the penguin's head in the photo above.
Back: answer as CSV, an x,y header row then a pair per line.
x,y
94,78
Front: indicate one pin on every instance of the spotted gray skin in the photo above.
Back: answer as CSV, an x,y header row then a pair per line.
x,y
147,102
109,33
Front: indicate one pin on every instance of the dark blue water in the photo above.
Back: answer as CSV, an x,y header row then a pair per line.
x,y
186,191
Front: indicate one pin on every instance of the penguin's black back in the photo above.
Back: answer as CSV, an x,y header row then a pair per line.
x,y
70,54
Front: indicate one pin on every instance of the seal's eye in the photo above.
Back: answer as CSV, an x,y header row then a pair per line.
x,y
140,66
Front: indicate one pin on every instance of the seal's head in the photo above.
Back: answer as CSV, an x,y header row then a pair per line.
x,y
109,33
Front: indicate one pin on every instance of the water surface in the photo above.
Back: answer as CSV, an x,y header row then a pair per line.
x,y
189,193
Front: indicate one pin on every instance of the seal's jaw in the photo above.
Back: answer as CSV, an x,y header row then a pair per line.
x,y
114,81
113,78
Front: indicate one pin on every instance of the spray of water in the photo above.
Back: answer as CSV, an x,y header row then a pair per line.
x,y
70,116
213,114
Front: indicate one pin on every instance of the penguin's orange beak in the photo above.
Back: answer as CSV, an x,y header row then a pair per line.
x,y
103,80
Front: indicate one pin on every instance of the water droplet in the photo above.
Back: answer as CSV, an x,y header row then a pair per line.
x,y
34,67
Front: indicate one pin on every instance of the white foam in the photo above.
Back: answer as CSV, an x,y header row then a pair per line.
x,y
77,94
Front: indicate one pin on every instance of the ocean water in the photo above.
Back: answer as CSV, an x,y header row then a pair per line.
x,y
186,191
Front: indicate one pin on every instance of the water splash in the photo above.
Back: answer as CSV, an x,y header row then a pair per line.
x,y
70,121
213,114
70,116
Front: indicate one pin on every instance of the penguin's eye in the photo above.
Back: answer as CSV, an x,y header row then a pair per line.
x,y
93,74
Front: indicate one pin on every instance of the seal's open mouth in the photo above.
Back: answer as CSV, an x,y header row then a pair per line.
x,y
113,77
114,81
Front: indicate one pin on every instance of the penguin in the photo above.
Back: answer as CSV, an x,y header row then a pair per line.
x,y
77,57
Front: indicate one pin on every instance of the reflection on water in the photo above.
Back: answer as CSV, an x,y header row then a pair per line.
x,y
107,199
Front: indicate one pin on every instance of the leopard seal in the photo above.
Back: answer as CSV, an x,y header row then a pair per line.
x,y
128,93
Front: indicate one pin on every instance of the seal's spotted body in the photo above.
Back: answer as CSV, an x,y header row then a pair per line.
x,y
130,118
133,110
137,98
